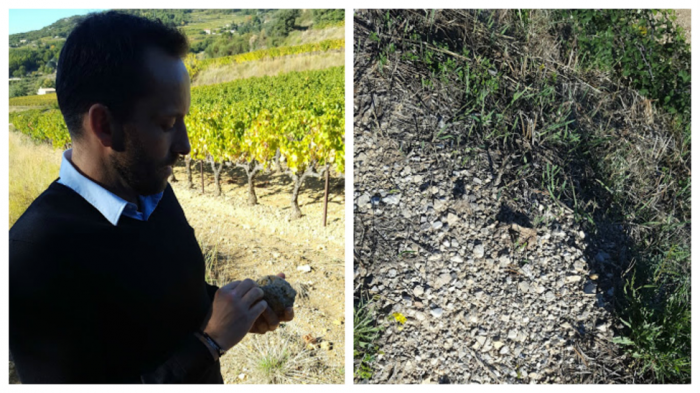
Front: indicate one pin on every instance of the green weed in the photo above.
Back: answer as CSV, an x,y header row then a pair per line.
x,y
365,333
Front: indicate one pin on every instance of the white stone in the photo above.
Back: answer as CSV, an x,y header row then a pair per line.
x,y
524,286
452,219
363,200
392,199
418,291
442,280
550,296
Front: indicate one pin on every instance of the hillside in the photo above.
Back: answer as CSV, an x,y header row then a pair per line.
x,y
212,33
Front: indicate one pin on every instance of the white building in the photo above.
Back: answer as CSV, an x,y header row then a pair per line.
x,y
45,90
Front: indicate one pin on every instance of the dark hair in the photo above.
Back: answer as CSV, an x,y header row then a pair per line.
x,y
102,62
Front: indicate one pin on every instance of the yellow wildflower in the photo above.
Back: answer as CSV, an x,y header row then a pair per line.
x,y
399,317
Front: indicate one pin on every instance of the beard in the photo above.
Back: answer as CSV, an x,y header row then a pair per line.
x,y
143,174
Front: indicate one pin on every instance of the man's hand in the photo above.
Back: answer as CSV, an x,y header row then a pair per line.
x,y
269,321
235,308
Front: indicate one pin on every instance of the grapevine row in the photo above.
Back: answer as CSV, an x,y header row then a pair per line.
x,y
195,66
36,100
297,118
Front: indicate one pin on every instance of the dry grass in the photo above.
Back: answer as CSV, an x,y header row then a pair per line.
x,y
32,168
271,67
313,35
280,357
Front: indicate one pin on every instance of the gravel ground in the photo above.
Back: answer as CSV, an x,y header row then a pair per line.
x,y
496,287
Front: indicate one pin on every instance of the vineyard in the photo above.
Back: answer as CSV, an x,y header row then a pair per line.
x,y
36,100
294,121
195,66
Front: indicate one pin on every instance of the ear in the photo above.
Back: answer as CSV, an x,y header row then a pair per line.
x,y
101,124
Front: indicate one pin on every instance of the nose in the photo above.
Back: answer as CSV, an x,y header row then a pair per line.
x,y
181,144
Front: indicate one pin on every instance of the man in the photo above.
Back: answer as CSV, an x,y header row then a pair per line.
x,y
106,275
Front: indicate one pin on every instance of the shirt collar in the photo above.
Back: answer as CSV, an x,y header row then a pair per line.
x,y
111,206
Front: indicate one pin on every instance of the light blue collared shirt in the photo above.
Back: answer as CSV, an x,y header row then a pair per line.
x,y
110,205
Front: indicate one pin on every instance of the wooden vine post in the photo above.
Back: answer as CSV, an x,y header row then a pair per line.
x,y
325,198
201,170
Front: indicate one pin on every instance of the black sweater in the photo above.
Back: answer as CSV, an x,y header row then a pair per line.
x,y
91,302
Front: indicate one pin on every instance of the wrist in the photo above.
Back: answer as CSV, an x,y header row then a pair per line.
x,y
213,350
215,343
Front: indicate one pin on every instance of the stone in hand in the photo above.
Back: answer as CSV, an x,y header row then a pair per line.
x,y
277,293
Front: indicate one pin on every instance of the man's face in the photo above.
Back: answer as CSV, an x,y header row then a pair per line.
x,y
155,135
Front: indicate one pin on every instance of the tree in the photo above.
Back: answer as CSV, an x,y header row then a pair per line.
x,y
325,17
18,90
284,22
48,82
20,72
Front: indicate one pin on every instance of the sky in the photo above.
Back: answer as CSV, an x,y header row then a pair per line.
x,y
22,21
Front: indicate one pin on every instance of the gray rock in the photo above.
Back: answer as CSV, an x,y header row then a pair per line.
x,y
363,200
418,291
457,259
277,292
479,251
571,279
437,225
442,280
436,312
392,199
602,256
512,334
590,288
452,219
524,286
